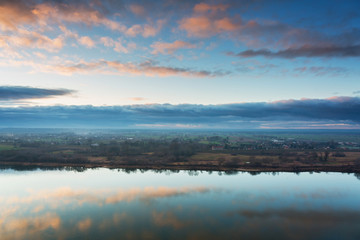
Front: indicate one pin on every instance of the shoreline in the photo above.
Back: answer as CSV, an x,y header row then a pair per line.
x,y
295,169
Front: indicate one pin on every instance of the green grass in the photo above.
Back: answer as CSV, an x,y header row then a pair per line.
x,y
4,147
64,152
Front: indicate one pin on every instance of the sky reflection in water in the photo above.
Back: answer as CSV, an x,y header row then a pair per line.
x,y
113,204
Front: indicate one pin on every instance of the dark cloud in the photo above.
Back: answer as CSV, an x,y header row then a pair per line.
x,y
304,216
305,51
18,92
335,112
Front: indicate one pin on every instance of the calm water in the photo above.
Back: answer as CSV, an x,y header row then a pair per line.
x,y
114,204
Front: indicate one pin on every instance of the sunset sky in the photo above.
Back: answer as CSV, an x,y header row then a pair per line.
x,y
180,64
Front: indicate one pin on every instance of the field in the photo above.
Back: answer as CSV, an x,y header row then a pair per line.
x,y
251,151
4,147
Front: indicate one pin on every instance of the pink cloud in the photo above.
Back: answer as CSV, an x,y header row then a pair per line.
x,y
146,30
74,14
118,45
44,16
170,48
339,99
204,7
31,39
13,14
147,68
208,20
137,9
86,41
20,13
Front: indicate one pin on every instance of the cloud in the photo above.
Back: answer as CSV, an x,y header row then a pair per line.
x,y
19,221
146,30
118,45
335,112
14,13
84,225
19,228
33,24
38,13
19,92
304,51
100,197
204,7
136,99
32,39
356,92
303,216
279,37
208,20
86,41
40,55
137,9
170,48
147,68
152,193
321,71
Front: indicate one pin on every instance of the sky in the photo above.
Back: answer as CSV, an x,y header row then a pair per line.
x,y
249,64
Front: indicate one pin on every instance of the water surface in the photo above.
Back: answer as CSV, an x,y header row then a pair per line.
x,y
119,204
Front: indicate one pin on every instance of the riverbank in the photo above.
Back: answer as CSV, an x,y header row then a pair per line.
x,y
181,166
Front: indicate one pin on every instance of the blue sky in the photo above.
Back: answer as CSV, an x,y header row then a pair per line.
x,y
112,53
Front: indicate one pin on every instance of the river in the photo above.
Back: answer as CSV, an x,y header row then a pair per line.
x,y
123,204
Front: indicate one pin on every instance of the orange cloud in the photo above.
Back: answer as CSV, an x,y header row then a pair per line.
x,y
147,30
137,9
19,13
27,24
147,68
21,228
170,48
117,45
86,41
39,55
74,14
149,193
208,20
30,39
100,196
13,14
84,225
204,7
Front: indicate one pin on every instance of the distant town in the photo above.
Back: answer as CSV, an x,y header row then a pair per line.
x,y
223,150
